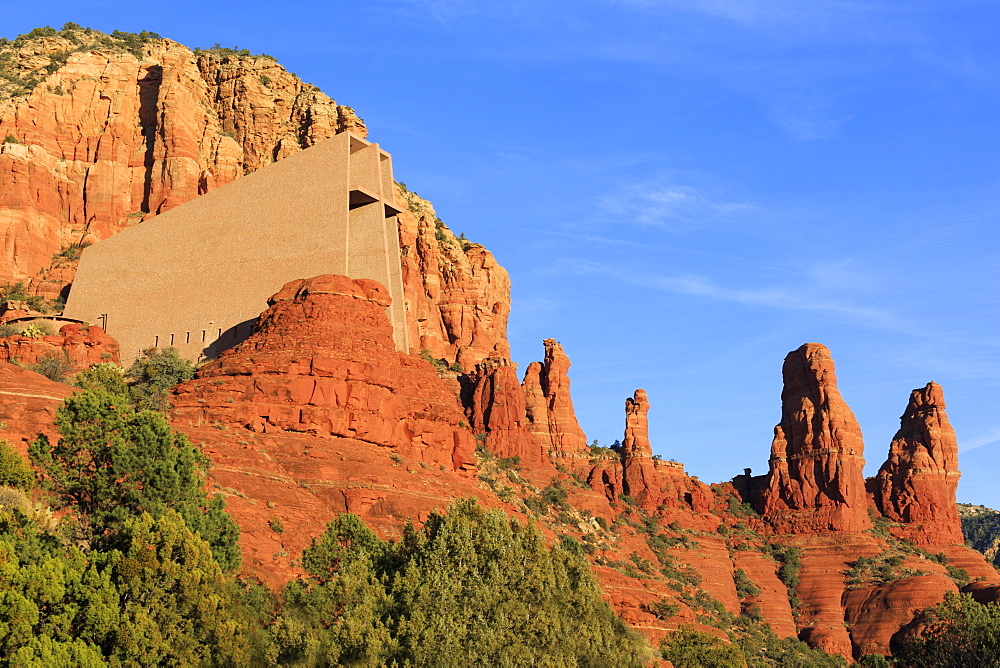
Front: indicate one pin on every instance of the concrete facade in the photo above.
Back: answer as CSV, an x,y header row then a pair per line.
x,y
197,276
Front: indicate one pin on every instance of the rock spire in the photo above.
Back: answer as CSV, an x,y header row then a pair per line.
x,y
816,481
917,483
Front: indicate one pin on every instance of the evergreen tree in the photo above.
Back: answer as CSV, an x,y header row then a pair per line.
x,y
956,632
153,374
472,587
112,463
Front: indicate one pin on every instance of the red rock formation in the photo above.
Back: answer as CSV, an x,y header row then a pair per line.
x,y
322,362
28,404
816,480
316,413
875,614
458,297
82,346
638,469
496,409
549,406
917,483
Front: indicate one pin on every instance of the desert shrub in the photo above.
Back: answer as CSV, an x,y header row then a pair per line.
x,y
54,366
745,587
956,632
687,648
14,471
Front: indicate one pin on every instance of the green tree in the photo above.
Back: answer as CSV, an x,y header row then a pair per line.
x,y
688,648
956,632
153,374
472,587
176,606
14,471
113,462
107,377
160,598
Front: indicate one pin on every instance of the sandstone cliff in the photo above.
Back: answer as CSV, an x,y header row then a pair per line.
x,y
104,132
317,413
916,485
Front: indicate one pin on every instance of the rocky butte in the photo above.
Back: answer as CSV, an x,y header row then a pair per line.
x,y
318,411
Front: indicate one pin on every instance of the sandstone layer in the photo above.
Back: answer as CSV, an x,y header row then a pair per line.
x,y
322,362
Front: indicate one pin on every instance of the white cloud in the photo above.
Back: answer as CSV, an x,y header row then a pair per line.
x,y
805,297
987,437
666,205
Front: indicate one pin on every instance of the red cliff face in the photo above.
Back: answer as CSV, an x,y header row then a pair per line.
x,y
496,409
549,405
109,139
816,480
322,362
315,414
458,296
917,483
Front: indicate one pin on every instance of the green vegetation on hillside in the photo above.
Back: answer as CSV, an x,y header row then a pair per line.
x,y
957,632
472,587
19,76
981,527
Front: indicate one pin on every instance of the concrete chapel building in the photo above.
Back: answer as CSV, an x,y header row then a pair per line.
x,y
197,276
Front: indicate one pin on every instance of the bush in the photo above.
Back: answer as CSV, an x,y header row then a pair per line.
x,y
14,471
54,366
18,292
956,632
153,374
687,648
745,587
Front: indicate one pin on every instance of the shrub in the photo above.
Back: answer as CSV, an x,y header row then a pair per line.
x,y
54,366
14,471
956,632
509,462
154,373
687,648
745,587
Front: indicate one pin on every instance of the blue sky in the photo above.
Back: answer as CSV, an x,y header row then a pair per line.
x,y
685,190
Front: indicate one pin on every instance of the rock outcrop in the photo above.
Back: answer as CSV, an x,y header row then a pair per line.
x,y
458,296
80,346
916,485
816,480
28,404
549,406
322,362
495,406
109,138
638,468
